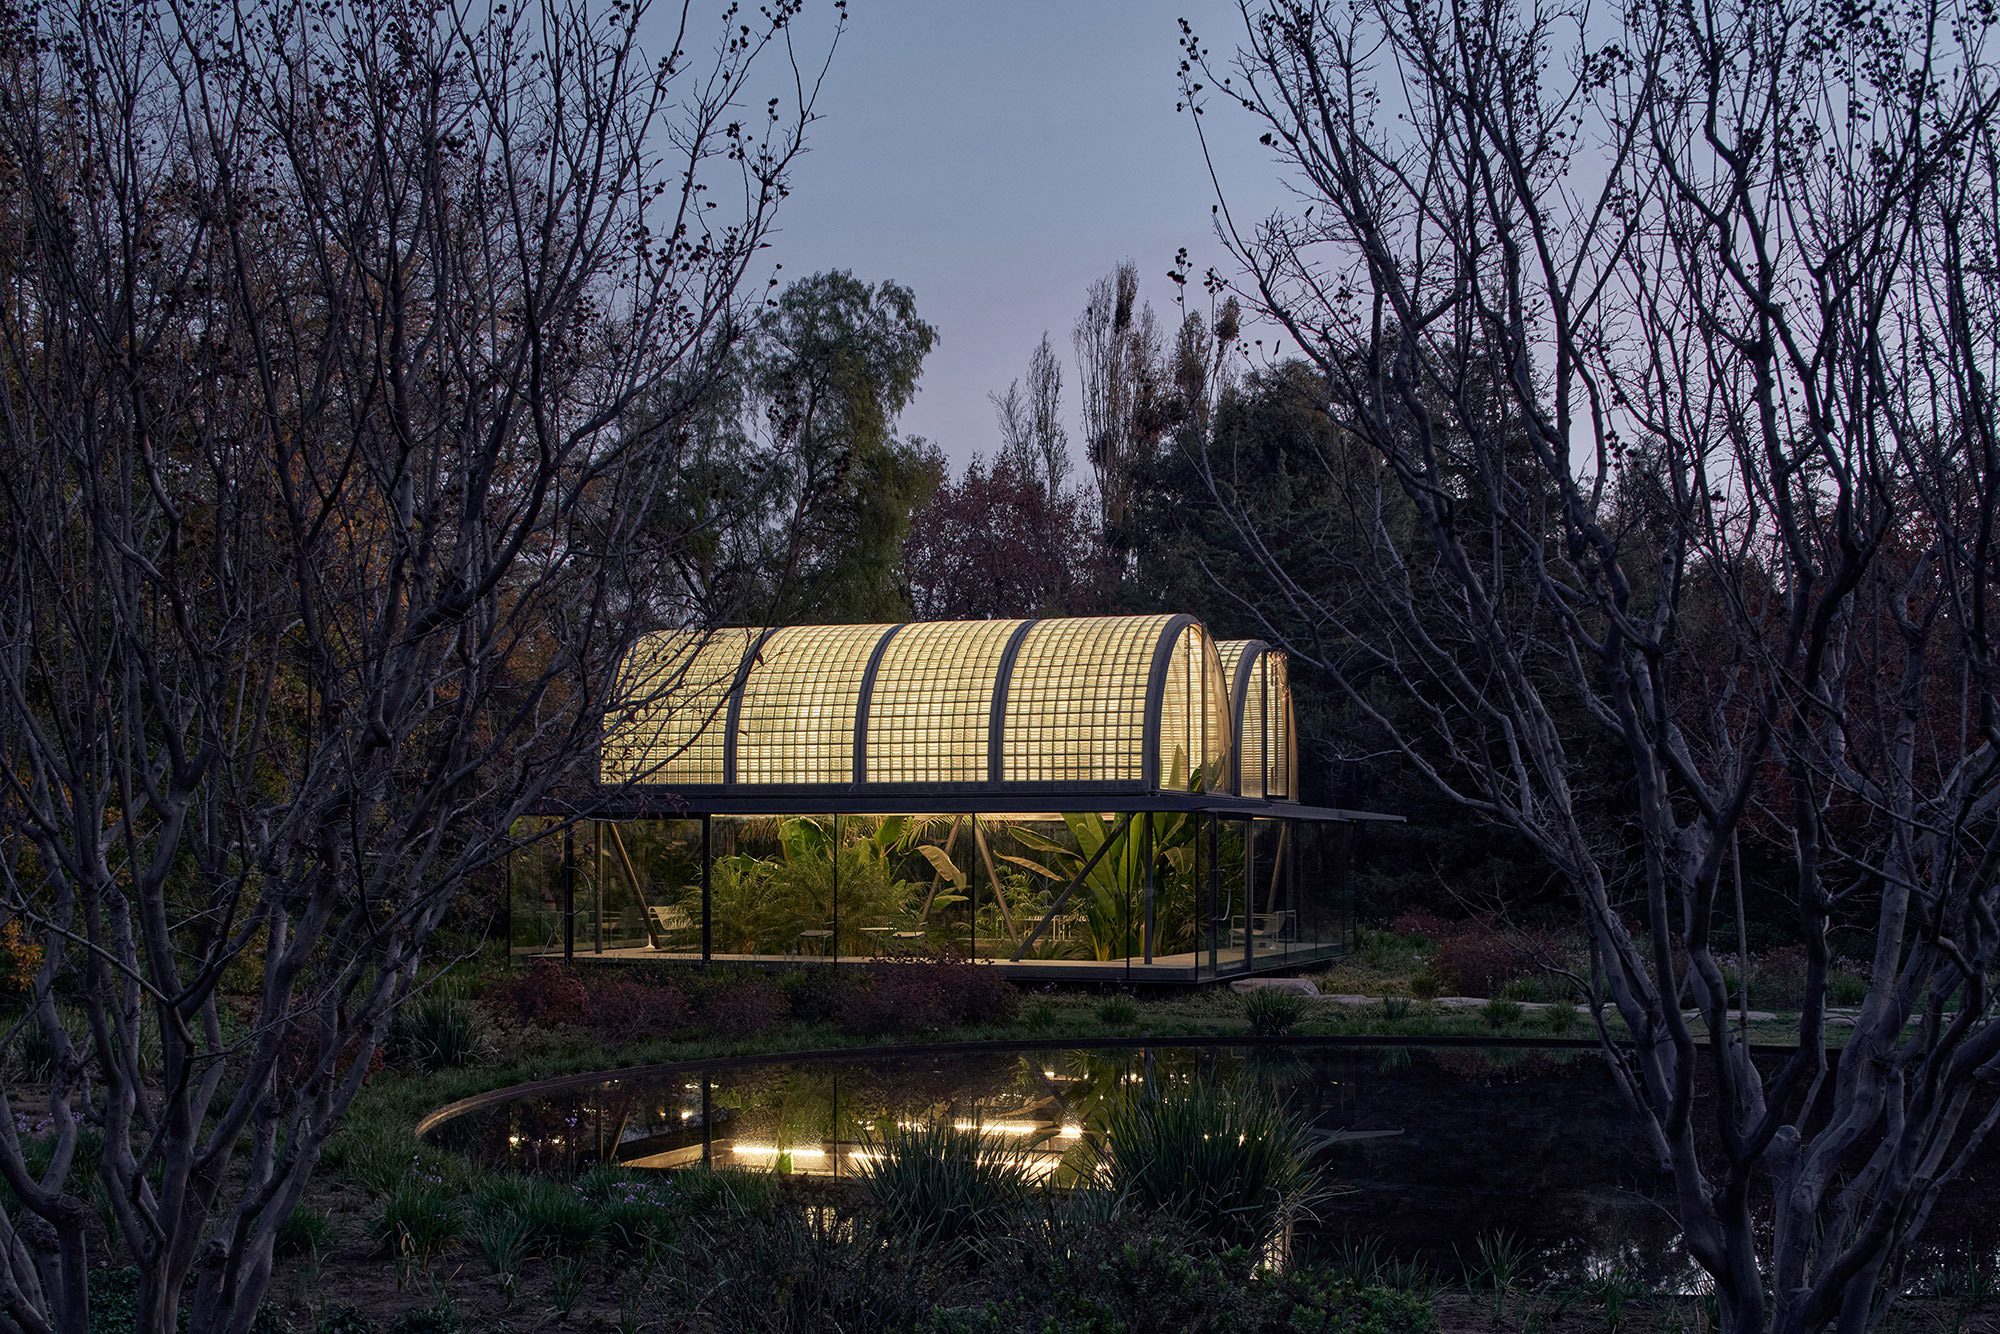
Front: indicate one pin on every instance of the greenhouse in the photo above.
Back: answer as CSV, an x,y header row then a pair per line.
x,y
1111,796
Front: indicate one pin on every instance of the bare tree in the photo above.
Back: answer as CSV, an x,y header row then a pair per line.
x,y
1030,421
346,350
1118,360
1667,342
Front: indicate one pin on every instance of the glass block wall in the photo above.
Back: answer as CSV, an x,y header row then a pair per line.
x,y
1136,702
1266,748
796,723
667,721
930,713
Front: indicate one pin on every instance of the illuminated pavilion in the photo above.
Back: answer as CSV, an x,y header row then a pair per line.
x,y
1103,796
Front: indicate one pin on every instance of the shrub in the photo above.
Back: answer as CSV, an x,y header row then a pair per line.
x,y
1118,1012
545,993
437,1033
557,1219
627,1009
940,1185
1500,1012
745,1006
1425,984
901,998
815,995
503,1239
1481,960
1039,1017
1844,986
1232,1164
1395,1009
440,1317
978,994
20,958
1778,977
1429,926
1271,1011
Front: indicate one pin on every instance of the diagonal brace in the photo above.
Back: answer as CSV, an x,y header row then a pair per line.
x,y
1028,941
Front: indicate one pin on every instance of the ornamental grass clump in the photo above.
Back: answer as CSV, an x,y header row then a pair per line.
x,y
438,1033
941,1184
1272,1012
1235,1165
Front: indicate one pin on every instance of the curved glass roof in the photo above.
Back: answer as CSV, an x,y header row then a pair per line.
x,y
1264,759
1107,702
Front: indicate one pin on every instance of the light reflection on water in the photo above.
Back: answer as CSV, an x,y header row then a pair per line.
x,y
1429,1150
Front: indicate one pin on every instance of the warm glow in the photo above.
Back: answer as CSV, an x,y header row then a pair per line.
x,y
1001,1127
1077,695
772,1152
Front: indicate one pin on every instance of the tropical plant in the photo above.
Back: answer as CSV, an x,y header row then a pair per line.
x,y
1111,893
758,904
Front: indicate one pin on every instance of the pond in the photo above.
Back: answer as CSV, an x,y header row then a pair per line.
x,y
1429,1149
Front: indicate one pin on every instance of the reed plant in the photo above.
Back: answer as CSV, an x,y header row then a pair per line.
x,y
1234,1164
943,1184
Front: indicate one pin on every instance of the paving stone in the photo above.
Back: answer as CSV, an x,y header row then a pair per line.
x,y
1299,985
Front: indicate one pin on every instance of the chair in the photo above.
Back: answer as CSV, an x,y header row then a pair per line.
x,y
669,920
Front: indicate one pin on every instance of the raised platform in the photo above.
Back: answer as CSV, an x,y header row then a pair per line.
x,y
1270,956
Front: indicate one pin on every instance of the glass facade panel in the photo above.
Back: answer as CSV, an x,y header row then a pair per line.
x,y
671,702
1194,717
1171,896
796,723
1076,701
931,709
535,889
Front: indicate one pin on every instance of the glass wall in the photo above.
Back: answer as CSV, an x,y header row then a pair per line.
x,y
1161,895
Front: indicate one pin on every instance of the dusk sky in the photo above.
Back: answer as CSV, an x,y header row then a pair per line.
x,y
997,157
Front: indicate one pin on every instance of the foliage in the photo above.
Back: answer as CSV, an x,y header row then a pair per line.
x,y
1231,1163
1500,1012
926,997
20,958
1118,1012
545,992
418,1222
343,1319
305,1231
438,1033
939,1185
1273,1011
1111,895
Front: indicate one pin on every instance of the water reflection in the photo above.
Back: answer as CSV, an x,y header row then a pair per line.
x,y
1428,1150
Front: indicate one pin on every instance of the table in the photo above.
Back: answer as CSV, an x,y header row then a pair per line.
x,y
821,940
874,936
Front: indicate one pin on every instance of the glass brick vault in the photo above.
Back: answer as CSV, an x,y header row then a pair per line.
x,y
1065,797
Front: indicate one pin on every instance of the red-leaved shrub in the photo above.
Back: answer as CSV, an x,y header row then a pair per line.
x,y
745,1005
628,1009
545,992
903,998
1476,956
926,997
